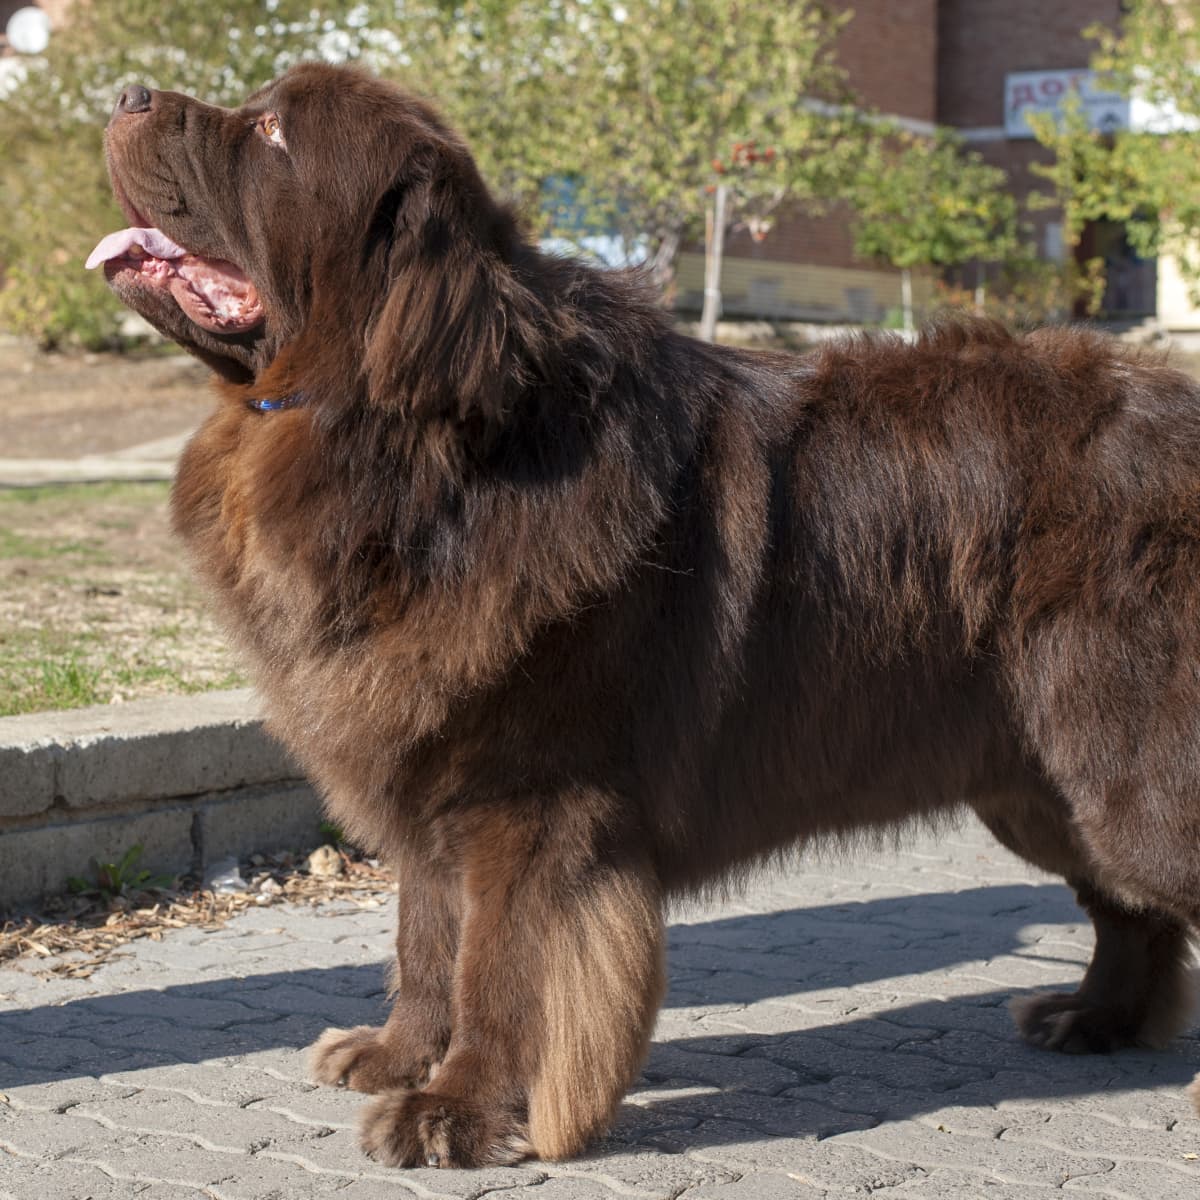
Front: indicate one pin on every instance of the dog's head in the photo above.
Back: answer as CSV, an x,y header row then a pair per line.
x,y
331,210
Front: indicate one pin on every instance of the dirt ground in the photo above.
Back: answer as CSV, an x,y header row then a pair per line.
x,y
64,406
97,604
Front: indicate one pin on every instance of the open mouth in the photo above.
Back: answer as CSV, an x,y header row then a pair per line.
x,y
213,293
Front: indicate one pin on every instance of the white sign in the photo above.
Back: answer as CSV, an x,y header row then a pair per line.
x,y
1028,92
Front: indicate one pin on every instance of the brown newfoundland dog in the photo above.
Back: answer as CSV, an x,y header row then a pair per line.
x,y
566,613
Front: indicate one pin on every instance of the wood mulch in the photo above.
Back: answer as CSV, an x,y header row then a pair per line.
x,y
70,936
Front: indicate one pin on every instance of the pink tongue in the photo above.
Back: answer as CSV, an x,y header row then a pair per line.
x,y
153,241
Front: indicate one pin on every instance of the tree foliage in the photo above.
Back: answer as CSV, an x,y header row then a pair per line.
x,y
1147,179
922,201
655,92
592,115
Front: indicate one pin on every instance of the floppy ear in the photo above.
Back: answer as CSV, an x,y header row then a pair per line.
x,y
457,334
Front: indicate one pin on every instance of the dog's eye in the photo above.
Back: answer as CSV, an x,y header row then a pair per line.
x,y
272,130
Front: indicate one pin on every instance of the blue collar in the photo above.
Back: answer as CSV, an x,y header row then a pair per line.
x,y
295,400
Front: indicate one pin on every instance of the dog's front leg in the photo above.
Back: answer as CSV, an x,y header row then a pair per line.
x,y
558,977
405,1051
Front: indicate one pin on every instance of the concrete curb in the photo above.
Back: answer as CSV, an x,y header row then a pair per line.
x,y
39,472
188,778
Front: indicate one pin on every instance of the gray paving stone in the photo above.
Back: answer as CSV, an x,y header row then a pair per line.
x,y
837,1030
332,1009
947,1184
1135,1180
225,1084
641,1171
1140,1108
782,1116
192,1011
847,1094
762,1185
1015,1162
37,1134
270,1179
720,1067
221,1128
813,1054
828,1165
60,1095
1075,1132
83,1181
171,1159
563,1188
324,1108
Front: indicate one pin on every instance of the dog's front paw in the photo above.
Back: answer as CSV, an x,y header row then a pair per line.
x,y
365,1060
422,1129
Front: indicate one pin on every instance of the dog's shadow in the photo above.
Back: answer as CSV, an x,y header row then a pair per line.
x,y
780,1045
786,1050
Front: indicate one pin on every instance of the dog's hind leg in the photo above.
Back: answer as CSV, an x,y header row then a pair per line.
x,y
556,985
404,1051
1136,990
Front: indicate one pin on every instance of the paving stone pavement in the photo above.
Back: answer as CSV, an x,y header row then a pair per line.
x,y
837,1029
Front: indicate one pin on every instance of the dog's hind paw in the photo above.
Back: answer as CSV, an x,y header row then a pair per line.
x,y
1068,1023
423,1129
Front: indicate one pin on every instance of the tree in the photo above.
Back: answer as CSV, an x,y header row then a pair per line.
x,y
594,117
604,118
922,202
1148,179
748,187
667,86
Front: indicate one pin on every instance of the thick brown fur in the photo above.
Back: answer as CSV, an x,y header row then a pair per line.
x,y
567,613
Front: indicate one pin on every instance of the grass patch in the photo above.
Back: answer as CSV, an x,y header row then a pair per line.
x,y
32,520
65,683
19,545
40,671
152,492
55,669
97,603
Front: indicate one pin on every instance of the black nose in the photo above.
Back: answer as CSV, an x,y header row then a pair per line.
x,y
134,99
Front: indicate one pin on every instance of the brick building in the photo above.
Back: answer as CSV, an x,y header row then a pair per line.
x,y
972,65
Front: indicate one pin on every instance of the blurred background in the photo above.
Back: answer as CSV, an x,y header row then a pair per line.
x,y
782,170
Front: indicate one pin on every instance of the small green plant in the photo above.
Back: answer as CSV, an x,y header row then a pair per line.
x,y
69,683
119,878
331,834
